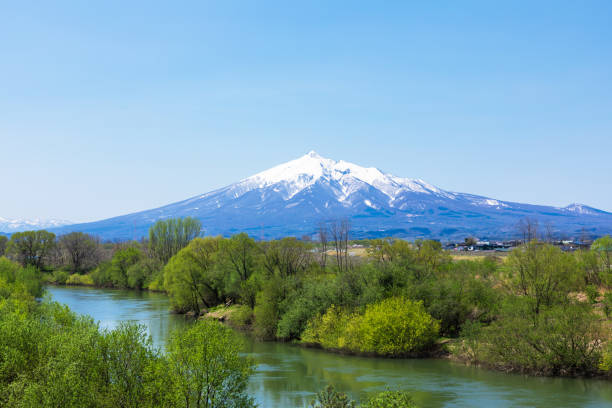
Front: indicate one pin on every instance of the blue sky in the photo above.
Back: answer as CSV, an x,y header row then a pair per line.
x,y
108,108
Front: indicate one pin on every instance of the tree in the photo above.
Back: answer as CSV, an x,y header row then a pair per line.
x,y
286,256
340,231
192,277
167,237
471,241
3,244
122,261
207,367
541,272
323,238
241,250
81,250
602,248
31,247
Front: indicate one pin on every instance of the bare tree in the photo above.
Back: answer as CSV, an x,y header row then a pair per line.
x,y
528,228
340,232
80,250
323,232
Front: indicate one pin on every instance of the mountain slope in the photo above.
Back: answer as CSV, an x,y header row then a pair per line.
x,y
294,197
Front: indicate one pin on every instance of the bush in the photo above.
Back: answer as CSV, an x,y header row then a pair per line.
x,y
241,316
102,275
392,327
80,280
390,399
335,329
607,304
397,326
330,398
592,293
562,340
60,277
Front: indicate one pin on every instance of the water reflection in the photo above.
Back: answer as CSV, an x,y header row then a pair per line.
x,y
288,376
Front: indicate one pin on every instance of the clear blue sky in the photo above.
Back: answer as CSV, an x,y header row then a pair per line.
x,y
108,108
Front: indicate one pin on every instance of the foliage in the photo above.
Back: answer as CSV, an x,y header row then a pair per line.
x,y
3,244
192,278
241,316
80,250
31,247
541,273
207,368
50,357
394,326
121,263
330,398
80,280
564,339
390,399
592,293
168,237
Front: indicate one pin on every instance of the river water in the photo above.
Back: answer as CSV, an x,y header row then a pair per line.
x,y
288,376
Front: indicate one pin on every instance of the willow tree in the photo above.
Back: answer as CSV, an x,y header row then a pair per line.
x,y
167,237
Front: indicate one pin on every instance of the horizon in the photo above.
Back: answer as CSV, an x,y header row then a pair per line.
x,y
118,108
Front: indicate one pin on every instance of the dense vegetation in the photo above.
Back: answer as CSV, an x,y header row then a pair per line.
x,y
50,357
538,310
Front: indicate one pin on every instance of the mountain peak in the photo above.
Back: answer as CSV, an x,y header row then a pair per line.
x,y
313,154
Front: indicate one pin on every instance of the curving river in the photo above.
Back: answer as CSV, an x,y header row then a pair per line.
x,y
288,376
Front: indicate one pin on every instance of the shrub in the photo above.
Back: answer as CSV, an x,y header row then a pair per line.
x,y
607,304
397,326
335,329
80,280
390,399
562,340
59,277
330,398
241,316
592,293
102,275
392,327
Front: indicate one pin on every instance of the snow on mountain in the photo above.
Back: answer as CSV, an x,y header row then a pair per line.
x,y
293,198
296,175
21,224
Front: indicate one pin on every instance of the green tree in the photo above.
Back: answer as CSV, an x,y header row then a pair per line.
x,y
192,277
207,368
129,360
602,249
168,237
31,247
542,273
121,263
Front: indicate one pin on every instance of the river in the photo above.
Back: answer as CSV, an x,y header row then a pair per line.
x,y
288,376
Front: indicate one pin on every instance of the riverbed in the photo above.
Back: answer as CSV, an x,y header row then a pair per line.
x,y
288,376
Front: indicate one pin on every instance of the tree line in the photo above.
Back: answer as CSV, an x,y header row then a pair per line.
x,y
538,310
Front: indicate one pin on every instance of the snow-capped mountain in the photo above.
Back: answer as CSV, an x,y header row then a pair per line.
x,y
20,224
295,197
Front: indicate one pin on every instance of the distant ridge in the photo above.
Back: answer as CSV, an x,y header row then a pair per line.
x,y
291,199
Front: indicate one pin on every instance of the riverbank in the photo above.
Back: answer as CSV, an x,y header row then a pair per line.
x,y
288,375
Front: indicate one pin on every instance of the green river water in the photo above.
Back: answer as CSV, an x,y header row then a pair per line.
x,y
288,376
